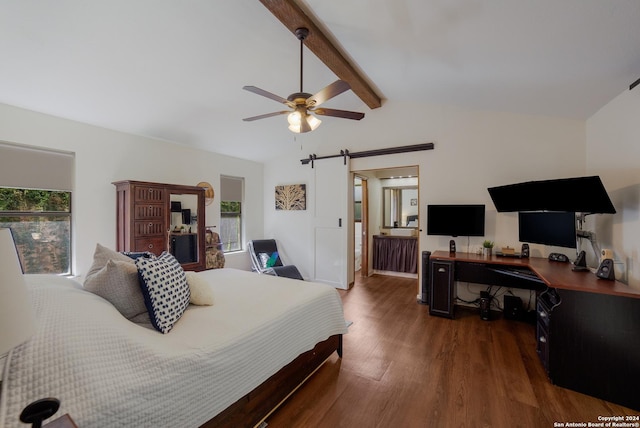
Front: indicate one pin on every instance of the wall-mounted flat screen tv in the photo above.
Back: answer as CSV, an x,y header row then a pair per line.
x,y
455,220
547,227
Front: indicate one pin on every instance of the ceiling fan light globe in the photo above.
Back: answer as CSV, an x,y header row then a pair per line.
x,y
313,122
295,122
294,119
294,128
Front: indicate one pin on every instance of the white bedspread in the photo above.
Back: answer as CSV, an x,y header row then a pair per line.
x,y
109,372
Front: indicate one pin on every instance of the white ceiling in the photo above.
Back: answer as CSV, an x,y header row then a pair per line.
x,y
174,70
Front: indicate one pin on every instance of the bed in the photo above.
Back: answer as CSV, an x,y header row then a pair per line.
x,y
228,364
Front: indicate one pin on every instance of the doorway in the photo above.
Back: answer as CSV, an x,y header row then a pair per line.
x,y
361,220
400,186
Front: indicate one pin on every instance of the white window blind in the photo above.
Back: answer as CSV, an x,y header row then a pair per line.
x,y
33,168
231,188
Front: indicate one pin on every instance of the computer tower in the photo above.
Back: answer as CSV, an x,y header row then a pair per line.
x,y
513,309
426,275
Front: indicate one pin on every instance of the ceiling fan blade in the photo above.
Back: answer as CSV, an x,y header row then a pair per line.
x,y
269,95
328,92
264,116
339,113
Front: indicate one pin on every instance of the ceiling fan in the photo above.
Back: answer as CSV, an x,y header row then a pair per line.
x,y
304,104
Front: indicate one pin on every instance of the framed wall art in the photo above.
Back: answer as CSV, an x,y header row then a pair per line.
x,y
291,197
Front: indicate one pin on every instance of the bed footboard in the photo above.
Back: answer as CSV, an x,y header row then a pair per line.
x,y
264,399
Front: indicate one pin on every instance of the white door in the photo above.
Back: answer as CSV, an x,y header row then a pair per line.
x,y
330,221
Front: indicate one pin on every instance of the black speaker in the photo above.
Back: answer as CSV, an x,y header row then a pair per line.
x,y
485,305
558,257
524,252
452,246
605,270
426,277
580,264
513,307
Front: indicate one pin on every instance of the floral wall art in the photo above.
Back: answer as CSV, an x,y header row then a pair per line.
x,y
291,197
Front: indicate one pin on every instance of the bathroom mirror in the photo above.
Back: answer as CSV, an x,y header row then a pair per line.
x,y
400,207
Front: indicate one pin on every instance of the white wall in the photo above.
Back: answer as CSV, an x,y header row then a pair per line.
x,y
104,156
291,229
613,153
473,151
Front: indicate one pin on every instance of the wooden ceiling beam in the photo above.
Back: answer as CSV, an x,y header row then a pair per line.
x,y
293,17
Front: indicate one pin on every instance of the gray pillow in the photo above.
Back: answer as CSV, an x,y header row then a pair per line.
x,y
102,255
118,283
114,277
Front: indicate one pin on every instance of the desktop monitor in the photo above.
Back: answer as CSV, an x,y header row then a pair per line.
x,y
586,195
548,228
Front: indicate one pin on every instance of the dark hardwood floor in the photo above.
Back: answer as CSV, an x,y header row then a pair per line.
x,y
402,367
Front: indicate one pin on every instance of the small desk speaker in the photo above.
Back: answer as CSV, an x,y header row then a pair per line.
x,y
605,270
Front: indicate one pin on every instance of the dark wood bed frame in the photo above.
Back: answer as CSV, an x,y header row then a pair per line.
x,y
254,407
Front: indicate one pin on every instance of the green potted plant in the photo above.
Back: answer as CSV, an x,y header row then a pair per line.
x,y
487,248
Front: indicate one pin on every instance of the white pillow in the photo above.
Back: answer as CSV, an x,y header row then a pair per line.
x,y
165,290
201,292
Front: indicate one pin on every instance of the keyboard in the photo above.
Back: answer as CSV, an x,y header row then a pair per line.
x,y
522,273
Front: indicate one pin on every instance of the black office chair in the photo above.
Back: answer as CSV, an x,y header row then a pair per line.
x,y
265,258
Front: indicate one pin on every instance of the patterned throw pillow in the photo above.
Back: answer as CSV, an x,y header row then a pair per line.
x,y
135,254
269,260
264,259
165,290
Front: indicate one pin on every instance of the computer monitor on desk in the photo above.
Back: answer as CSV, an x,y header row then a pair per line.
x,y
556,228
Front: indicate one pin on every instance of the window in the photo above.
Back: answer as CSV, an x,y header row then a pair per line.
x,y
41,224
35,202
231,213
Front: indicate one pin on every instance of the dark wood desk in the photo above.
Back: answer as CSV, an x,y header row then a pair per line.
x,y
588,329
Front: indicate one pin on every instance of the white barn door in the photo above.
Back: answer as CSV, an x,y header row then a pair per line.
x,y
330,221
